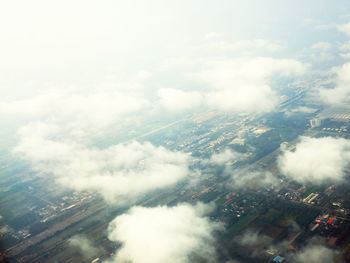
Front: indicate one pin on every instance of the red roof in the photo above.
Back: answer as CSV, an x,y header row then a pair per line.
x,y
330,221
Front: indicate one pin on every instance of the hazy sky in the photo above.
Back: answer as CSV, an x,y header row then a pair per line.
x,y
50,43
73,72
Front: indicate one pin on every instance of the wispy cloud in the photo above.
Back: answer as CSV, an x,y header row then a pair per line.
x,y
86,247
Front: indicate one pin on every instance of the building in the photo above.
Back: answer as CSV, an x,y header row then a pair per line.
x,y
278,259
315,122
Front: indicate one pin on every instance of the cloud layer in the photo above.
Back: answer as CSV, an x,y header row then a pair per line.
x,y
238,85
119,173
316,160
164,234
78,114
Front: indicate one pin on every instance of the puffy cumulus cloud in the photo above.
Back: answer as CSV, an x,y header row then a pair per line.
x,y
341,92
345,28
119,173
164,234
85,246
316,160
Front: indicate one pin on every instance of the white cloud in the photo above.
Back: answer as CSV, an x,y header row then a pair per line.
x,y
253,239
244,45
221,74
180,63
316,253
345,55
345,28
240,177
119,173
308,21
341,92
345,46
225,157
175,100
164,234
322,46
321,52
79,113
85,246
214,35
326,26
300,109
243,85
252,179
316,160
238,85
245,98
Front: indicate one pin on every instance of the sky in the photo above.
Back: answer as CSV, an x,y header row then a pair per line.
x,y
73,71
46,44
